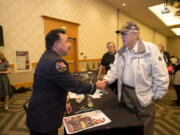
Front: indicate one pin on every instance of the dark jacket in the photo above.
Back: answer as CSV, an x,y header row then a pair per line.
x,y
166,57
107,60
52,81
176,68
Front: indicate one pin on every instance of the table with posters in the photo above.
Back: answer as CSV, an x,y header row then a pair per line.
x,y
123,121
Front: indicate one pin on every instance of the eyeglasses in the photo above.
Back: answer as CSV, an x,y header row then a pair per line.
x,y
110,46
124,34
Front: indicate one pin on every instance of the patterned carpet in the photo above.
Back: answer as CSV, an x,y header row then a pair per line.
x,y
12,122
167,121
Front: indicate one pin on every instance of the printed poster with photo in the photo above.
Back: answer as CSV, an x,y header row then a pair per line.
x,y
80,122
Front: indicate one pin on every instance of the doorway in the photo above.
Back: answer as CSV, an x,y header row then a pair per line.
x,y
72,32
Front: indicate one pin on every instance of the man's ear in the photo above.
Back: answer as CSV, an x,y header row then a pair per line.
x,y
57,44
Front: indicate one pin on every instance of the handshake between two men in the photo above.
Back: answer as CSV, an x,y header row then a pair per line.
x,y
101,84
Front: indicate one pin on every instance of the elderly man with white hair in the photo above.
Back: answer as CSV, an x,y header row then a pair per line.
x,y
142,75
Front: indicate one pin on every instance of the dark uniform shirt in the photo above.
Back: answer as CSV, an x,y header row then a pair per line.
x,y
52,81
166,57
107,60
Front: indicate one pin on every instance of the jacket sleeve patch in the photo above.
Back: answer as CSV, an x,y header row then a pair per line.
x,y
160,59
61,66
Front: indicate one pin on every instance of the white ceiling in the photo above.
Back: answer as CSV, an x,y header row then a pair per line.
x,y
138,9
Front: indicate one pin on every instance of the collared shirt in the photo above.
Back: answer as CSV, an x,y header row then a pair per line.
x,y
129,70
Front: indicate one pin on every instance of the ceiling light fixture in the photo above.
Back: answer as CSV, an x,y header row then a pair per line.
x,y
176,31
124,4
162,13
166,9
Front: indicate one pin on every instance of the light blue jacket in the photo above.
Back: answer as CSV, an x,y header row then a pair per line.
x,y
151,76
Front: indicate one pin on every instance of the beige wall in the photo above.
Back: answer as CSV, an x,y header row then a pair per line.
x,y
20,78
160,39
173,46
24,29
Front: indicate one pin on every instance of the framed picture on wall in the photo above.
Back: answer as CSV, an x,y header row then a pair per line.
x,y
22,61
1,36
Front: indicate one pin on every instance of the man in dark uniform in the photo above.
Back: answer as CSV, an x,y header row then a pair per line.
x,y
107,60
52,81
165,54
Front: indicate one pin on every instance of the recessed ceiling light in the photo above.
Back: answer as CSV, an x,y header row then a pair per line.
x,y
176,31
124,4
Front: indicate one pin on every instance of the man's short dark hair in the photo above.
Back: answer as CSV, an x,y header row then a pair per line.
x,y
53,36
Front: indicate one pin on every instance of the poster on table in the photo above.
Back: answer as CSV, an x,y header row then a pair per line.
x,y
84,121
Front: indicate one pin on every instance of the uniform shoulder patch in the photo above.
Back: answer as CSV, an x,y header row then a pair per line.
x,y
61,66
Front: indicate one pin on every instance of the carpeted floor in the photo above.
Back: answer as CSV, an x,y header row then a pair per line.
x,y
167,120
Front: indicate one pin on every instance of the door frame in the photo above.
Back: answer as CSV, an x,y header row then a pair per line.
x,y
71,31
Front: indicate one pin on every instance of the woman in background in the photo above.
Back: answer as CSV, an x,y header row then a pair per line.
x,y
5,88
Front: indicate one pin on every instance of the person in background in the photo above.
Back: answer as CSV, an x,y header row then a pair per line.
x,y
142,75
177,81
106,61
5,88
178,60
165,54
52,81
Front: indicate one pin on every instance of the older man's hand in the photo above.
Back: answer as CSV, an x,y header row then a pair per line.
x,y
101,85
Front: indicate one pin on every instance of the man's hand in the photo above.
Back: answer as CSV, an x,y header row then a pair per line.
x,y
68,108
101,85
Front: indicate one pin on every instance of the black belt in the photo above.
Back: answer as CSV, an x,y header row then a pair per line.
x,y
127,86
